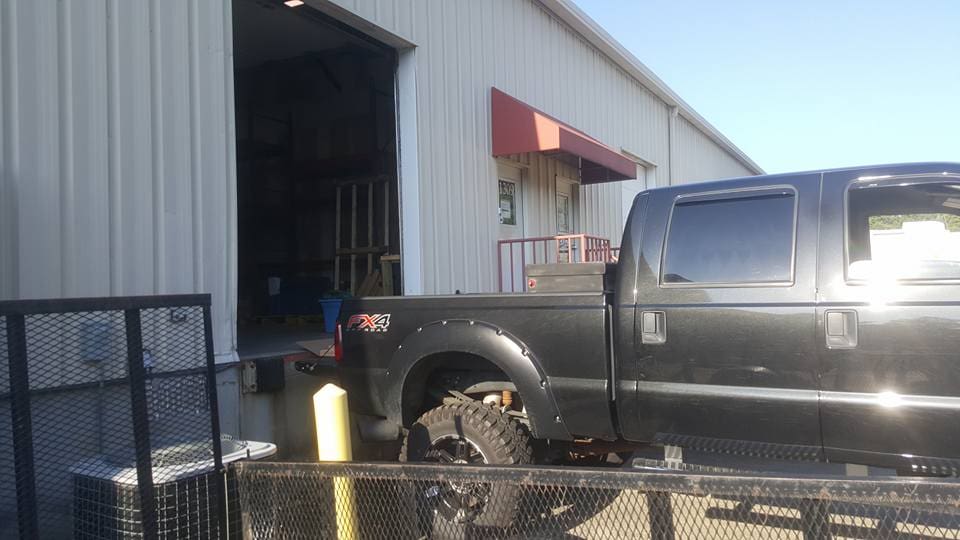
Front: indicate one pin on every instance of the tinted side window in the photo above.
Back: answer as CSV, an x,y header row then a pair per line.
x,y
745,239
904,232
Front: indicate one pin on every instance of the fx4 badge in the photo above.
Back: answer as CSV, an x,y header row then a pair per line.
x,y
362,322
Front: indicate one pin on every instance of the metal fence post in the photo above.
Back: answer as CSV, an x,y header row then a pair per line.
x,y
221,492
141,422
660,511
22,427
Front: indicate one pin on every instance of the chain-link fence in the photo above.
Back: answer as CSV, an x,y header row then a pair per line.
x,y
108,424
382,501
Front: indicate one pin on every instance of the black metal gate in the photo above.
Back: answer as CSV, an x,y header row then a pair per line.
x,y
108,419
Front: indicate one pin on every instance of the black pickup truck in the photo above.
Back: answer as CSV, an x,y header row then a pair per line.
x,y
811,316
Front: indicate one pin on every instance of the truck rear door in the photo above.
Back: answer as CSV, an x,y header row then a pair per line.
x,y
724,334
888,316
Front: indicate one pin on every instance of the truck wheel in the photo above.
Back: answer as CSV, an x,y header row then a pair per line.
x,y
468,433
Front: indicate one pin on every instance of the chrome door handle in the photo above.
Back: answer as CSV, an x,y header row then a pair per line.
x,y
653,327
840,327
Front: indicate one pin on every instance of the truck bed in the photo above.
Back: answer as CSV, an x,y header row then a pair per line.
x,y
565,335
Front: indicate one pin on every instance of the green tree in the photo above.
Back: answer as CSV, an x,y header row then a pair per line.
x,y
886,223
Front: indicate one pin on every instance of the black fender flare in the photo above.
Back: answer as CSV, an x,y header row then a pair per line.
x,y
491,343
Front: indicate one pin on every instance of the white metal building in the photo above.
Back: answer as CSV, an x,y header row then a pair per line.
x,y
141,143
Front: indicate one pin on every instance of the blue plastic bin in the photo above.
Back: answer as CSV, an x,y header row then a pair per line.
x,y
331,310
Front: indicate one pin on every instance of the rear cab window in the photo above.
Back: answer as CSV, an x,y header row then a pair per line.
x,y
908,232
735,239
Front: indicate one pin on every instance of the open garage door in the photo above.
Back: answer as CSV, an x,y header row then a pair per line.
x,y
316,171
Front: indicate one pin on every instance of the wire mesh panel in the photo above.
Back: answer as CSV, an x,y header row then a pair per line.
x,y
282,500
8,486
80,410
108,424
178,393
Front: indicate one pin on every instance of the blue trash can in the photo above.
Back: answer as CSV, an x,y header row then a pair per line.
x,y
331,310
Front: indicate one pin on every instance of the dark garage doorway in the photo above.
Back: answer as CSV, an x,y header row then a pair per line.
x,y
316,171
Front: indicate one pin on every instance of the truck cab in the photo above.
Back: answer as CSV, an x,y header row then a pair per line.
x,y
811,315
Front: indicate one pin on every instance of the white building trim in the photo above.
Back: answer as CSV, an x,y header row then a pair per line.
x,y
409,165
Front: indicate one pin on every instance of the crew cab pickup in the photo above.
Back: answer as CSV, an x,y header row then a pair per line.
x,y
810,316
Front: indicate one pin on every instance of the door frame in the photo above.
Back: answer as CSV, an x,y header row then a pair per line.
x,y
408,172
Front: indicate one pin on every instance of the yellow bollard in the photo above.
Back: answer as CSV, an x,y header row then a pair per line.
x,y
333,444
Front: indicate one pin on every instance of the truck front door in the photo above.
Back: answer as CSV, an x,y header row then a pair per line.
x,y
724,325
888,318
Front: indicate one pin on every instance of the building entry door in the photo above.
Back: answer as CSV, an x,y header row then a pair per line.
x,y
566,219
566,205
509,199
510,217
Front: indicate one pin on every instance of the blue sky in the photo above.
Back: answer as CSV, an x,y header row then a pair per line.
x,y
811,84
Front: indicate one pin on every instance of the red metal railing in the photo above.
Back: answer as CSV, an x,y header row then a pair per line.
x,y
514,254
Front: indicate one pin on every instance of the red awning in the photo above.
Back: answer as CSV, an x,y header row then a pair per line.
x,y
519,128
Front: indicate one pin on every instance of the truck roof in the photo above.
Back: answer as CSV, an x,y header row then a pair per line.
x,y
896,169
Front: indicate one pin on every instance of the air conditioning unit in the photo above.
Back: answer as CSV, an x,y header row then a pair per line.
x,y
106,496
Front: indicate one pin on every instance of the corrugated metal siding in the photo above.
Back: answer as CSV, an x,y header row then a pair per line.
x,y
540,191
466,47
117,151
600,206
699,158
399,17
600,211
